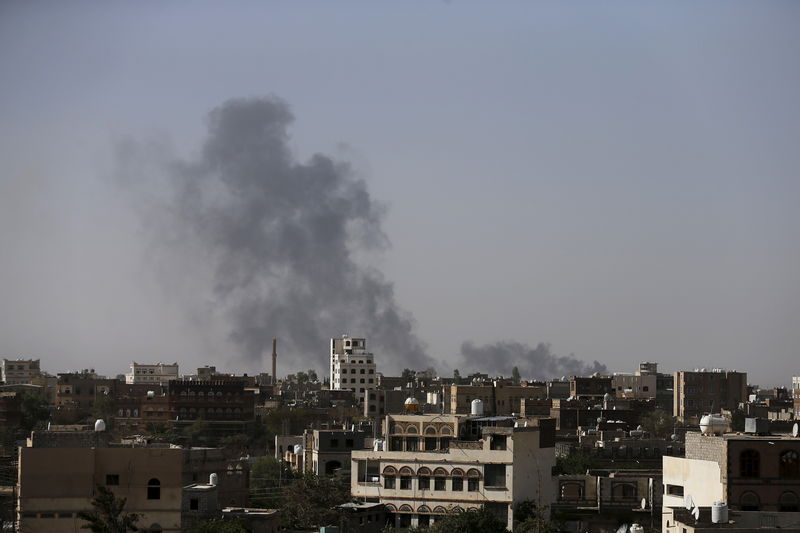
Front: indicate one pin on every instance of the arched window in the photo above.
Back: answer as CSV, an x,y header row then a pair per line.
x,y
789,465
423,509
154,489
750,502
430,430
440,479
788,502
405,478
439,510
411,430
458,479
572,490
623,491
424,481
446,430
390,508
473,479
389,474
405,509
750,463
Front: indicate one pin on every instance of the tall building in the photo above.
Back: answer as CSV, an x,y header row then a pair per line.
x,y
19,371
701,392
431,465
352,366
158,373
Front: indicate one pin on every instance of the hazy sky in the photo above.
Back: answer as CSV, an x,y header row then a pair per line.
x,y
618,179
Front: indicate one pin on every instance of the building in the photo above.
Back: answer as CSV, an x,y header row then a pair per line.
x,y
434,464
225,405
796,395
19,371
498,399
590,387
701,392
750,473
331,448
57,479
352,366
158,373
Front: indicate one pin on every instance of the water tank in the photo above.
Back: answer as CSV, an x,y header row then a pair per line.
x,y
151,394
99,425
212,479
719,513
377,445
637,433
607,397
298,449
476,407
411,405
713,424
636,528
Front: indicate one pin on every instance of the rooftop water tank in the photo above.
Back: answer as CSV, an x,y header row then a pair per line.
x,y
151,394
411,405
212,479
476,407
713,424
636,528
298,449
719,513
99,425
377,445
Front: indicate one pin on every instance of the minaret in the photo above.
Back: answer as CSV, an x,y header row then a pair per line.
x,y
274,360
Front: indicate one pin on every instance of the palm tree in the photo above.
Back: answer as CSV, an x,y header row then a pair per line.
x,y
108,515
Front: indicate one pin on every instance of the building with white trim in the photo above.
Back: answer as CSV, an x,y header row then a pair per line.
x,y
352,366
159,373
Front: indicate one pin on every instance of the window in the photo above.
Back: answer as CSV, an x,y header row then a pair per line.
x,y
473,477
440,479
788,503
674,490
495,475
749,463
458,479
430,443
572,490
750,502
112,479
349,443
789,465
623,491
334,443
405,482
194,504
362,371
154,489
388,482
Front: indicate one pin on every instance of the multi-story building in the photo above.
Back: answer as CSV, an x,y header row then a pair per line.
x,y
331,449
158,373
435,464
750,473
796,395
19,371
590,387
498,399
77,393
352,366
700,392
226,406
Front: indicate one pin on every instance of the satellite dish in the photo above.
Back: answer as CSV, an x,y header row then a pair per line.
x,y
795,430
688,502
623,528
644,503
696,513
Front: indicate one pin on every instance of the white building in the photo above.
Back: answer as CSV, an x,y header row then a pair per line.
x,y
352,366
158,373
19,371
425,470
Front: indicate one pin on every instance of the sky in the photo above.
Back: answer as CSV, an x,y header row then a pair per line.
x,y
616,180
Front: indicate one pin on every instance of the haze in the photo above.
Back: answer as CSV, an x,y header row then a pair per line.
x,y
618,180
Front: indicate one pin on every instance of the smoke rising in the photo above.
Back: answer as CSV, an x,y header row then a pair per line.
x,y
538,363
281,238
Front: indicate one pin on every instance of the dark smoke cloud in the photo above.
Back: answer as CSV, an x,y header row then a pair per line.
x,y
533,363
281,238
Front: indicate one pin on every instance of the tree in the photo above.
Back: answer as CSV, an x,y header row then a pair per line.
x,y
658,424
219,525
408,376
310,501
268,476
456,377
302,377
312,375
515,377
103,408
108,514
34,410
577,462
531,518
480,521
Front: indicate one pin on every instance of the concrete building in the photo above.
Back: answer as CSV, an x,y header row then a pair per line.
x,y
331,449
750,473
352,366
590,387
701,392
157,373
796,396
498,399
423,471
19,371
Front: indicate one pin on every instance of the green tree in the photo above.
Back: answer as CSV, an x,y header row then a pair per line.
x,y
312,375
302,377
577,462
531,518
34,410
108,514
197,433
310,501
408,376
268,477
456,377
515,377
103,408
658,424
218,525
480,521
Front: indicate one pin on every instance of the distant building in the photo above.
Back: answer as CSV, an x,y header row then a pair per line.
x,y
590,387
158,373
701,392
497,398
19,371
352,366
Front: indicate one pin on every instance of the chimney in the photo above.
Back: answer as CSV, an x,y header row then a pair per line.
x,y
274,360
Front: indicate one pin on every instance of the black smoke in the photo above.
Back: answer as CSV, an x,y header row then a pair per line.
x,y
538,363
282,238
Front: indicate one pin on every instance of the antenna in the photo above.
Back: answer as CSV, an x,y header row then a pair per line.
x,y
795,430
696,513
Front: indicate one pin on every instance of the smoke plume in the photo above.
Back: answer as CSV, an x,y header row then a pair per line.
x,y
538,363
281,238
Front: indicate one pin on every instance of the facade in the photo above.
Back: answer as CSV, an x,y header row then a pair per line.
x,y
224,404
750,473
590,387
352,366
331,448
634,385
701,392
498,399
796,395
158,373
20,371
423,472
